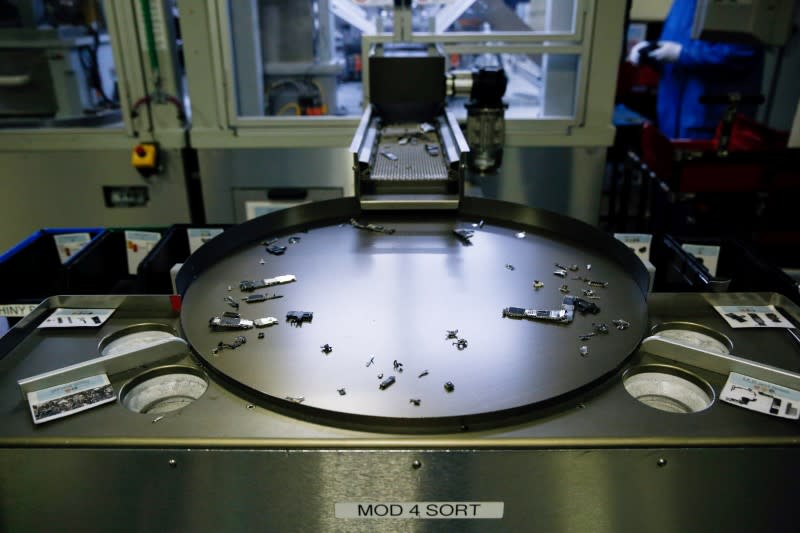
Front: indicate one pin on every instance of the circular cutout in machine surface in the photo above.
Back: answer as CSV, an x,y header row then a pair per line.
x,y
695,336
385,305
134,338
163,390
668,389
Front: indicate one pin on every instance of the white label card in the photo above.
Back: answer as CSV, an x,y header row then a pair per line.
x,y
68,244
16,310
70,398
638,242
137,245
753,316
199,236
77,318
420,510
708,255
761,396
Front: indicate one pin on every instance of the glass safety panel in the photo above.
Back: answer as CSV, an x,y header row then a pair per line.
x,y
486,16
56,65
302,57
540,86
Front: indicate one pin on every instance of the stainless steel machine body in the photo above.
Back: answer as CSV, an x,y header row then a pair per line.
x,y
587,458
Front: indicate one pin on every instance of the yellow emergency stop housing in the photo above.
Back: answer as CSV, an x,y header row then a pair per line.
x,y
145,158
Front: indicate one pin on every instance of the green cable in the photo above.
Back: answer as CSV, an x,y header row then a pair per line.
x,y
151,38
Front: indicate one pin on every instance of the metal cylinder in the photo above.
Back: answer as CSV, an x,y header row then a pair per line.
x,y
459,83
485,134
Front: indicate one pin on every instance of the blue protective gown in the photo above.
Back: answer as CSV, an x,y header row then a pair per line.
x,y
702,68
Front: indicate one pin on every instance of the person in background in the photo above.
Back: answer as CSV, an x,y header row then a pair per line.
x,y
691,68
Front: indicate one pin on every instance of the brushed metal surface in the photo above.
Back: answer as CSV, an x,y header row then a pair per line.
x,y
392,298
660,490
226,416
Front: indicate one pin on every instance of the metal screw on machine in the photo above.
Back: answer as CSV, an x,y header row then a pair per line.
x,y
172,463
416,464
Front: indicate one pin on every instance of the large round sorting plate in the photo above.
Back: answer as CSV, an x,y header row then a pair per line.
x,y
396,305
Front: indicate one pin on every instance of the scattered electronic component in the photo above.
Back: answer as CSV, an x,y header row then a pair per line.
x,y
415,401
326,348
449,387
586,336
425,127
593,283
621,324
389,155
229,321
555,315
452,334
464,235
397,365
380,375
296,318
584,306
600,327
237,341
230,301
293,240
341,391
296,399
564,289
371,227
386,383
509,267
255,298
432,149
260,334
275,249
560,266
573,268
265,322
261,262
520,235
588,267
460,344
584,350
537,284
371,362
588,292
230,288
561,273
269,241
423,374
250,286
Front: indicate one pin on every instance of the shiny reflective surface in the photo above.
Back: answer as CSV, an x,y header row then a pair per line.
x,y
384,303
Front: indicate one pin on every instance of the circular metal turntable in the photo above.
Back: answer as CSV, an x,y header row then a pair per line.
x,y
389,304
